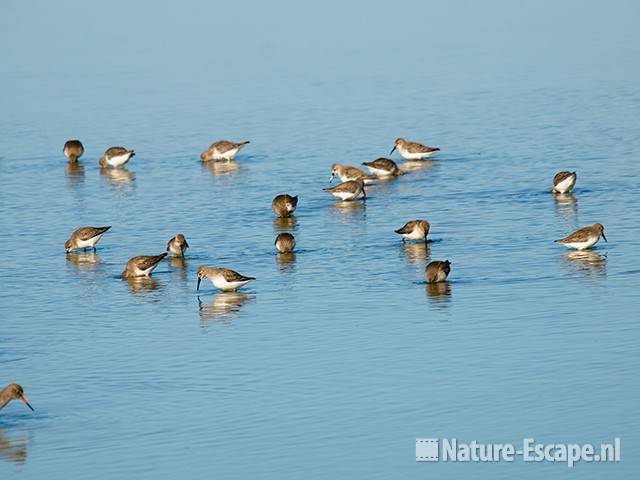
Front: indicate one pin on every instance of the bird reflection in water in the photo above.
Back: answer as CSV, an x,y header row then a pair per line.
x,y
223,306
118,177
179,266
142,285
416,252
587,261
413,165
221,167
566,205
349,210
438,293
286,261
14,450
74,171
83,260
284,224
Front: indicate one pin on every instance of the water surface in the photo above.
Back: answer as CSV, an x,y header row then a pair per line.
x,y
336,358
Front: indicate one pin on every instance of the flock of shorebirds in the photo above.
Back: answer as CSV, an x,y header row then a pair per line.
x,y
352,187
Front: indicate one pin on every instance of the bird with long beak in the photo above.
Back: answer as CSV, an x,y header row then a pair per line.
x,y
115,157
85,237
177,245
13,391
222,278
437,271
222,150
584,238
142,266
347,172
383,167
73,150
563,182
348,190
413,150
414,230
284,205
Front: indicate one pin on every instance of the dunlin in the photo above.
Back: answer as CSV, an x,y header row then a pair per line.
x,y
348,190
347,172
383,167
284,205
563,182
85,237
413,150
285,243
73,150
414,230
142,266
584,238
177,245
222,278
115,157
222,150
13,391
437,271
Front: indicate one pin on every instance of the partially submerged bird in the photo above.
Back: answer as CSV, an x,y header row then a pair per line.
x,y
73,150
563,182
222,278
13,391
177,245
437,271
222,150
348,190
413,150
85,237
115,157
383,167
347,172
414,230
284,205
584,238
285,243
142,266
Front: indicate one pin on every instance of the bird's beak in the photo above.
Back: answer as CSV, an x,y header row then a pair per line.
x,y
392,150
24,400
198,286
331,178
605,238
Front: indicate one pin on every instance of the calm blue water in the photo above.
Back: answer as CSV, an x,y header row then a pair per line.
x,y
331,363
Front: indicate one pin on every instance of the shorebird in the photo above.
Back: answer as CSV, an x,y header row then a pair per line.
x,y
563,182
413,150
85,237
284,205
222,278
73,150
383,167
115,157
285,243
348,190
347,172
222,150
584,238
414,230
13,391
177,245
142,266
437,271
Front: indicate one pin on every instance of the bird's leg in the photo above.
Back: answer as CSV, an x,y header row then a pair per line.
x,y
94,249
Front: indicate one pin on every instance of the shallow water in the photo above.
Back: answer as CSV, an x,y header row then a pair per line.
x,y
336,358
